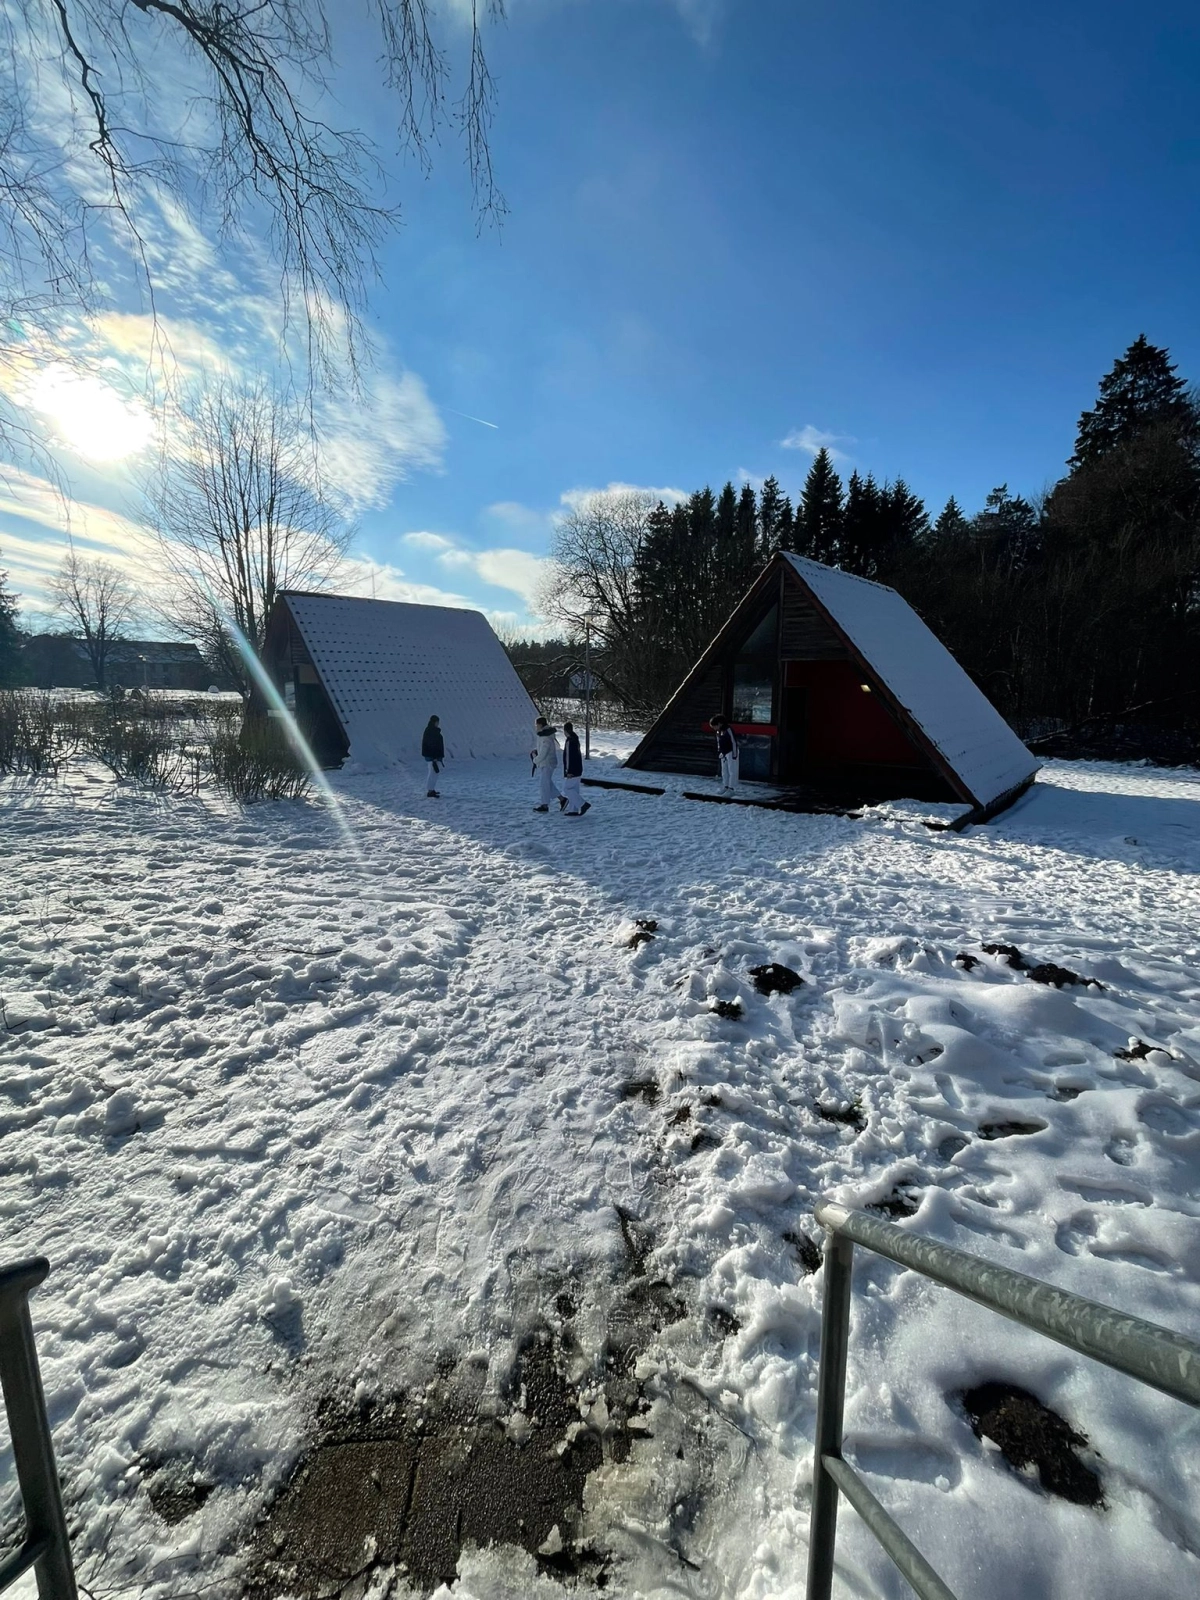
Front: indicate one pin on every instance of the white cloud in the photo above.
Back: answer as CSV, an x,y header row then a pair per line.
x,y
814,439
371,442
515,570
575,497
522,519
29,503
428,541
382,581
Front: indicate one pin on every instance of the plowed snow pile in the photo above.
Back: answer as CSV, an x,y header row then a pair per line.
x,y
301,1124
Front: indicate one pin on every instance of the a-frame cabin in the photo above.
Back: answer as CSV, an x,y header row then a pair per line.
x,y
834,684
362,677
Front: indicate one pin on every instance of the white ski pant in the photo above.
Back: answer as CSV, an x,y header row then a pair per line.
x,y
431,777
549,789
574,797
729,772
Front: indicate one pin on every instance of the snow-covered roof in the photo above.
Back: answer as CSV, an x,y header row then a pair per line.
x,y
954,715
387,667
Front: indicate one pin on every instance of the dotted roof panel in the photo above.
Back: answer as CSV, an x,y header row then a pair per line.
x,y
387,667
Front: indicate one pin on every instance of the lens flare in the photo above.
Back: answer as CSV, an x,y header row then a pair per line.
x,y
295,738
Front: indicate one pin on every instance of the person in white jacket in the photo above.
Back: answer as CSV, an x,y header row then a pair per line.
x,y
545,764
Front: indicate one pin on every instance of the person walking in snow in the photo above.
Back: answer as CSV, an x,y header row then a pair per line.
x,y
545,764
433,749
569,801
727,754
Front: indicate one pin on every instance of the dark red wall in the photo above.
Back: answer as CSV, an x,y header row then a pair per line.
x,y
842,723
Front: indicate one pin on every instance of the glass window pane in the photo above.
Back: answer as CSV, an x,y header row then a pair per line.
x,y
754,671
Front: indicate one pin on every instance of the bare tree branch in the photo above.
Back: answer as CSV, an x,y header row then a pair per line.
x,y
259,74
241,514
97,604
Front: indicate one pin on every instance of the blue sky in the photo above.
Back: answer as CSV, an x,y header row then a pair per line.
x,y
921,230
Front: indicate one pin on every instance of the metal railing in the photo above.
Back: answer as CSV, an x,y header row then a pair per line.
x,y
46,1546
1153,1355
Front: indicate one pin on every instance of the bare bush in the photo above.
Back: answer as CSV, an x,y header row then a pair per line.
x,y
257,764
136,745
29,737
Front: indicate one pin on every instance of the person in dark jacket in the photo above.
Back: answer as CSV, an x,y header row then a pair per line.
x,y
572,774
727,754
433,748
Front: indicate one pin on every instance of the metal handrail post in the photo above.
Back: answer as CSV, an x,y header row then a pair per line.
x,y
47,1546
1155,1356
831,1397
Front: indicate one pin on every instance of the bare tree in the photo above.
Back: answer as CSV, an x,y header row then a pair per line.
x,y
97,603
593,583
216,109
241,514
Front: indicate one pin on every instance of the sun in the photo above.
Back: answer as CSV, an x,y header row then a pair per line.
x,y
87,414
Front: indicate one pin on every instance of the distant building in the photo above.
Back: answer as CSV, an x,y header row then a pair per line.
x,y
56,661
833,682
363,677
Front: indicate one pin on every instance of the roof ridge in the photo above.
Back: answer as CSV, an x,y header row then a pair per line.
x,y
826,566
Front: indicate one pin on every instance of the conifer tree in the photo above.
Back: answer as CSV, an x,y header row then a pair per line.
x,y
1140,392
10,636
861,526
747,530
819,516
904,516
725,564
774,521
951,522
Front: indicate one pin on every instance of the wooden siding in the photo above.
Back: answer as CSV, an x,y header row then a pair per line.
x,y
681,743
804,634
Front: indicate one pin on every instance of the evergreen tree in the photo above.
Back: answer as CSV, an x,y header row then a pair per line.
x,y
1009,524
904,516
951,523
861,526
1142,391
726,564
747,530
10,636
774,518
819,516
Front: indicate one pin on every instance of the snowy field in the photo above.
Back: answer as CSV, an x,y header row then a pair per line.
x,y
297,1113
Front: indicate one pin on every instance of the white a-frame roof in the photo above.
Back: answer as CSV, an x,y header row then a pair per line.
x,y
923,678
388,667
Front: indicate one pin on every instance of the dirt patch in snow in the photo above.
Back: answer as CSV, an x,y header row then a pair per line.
x,y
774,978
1030,1436
1039,971
1009,1128
851,1116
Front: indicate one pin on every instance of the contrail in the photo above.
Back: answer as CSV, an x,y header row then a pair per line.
x,y
483,422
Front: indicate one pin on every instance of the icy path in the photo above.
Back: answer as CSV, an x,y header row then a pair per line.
x,y
290,1117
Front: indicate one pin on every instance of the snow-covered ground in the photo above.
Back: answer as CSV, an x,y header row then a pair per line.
x,y
294,1111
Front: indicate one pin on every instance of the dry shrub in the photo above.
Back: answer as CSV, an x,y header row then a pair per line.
x,y
257,764
29,739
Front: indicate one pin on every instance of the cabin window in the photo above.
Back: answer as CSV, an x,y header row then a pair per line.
x,y
754,669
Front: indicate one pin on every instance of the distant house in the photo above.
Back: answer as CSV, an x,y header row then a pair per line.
x,y
363,677
56,661
834,683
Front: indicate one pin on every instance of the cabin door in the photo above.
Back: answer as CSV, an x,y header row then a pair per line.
x,y
793,713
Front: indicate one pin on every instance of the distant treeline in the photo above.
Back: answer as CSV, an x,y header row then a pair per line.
x,y
1083,603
